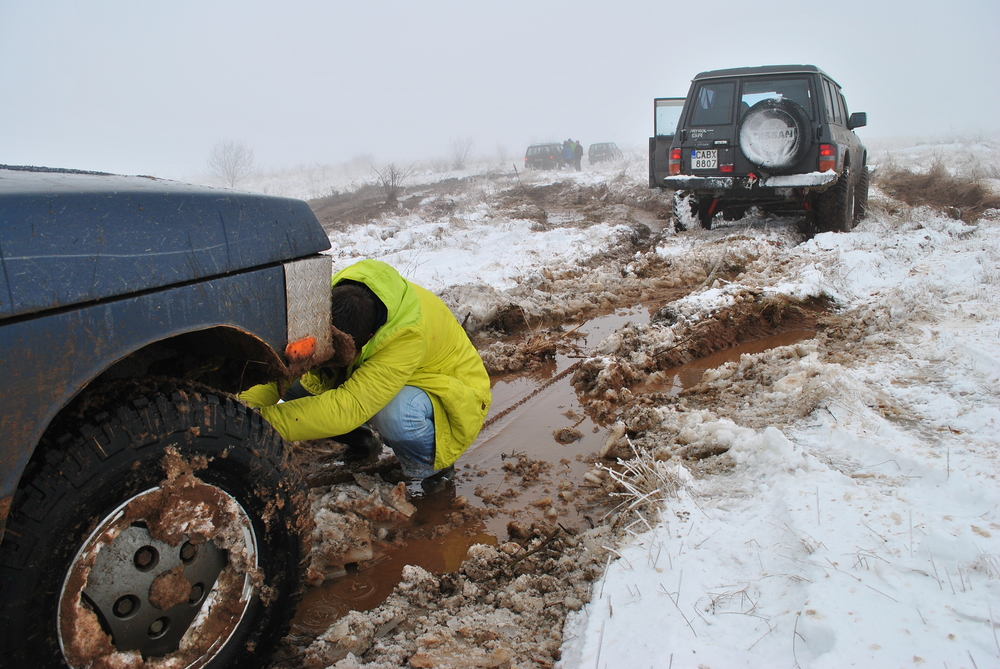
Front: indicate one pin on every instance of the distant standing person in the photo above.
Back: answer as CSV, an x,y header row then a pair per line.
x,y
567,154
578,155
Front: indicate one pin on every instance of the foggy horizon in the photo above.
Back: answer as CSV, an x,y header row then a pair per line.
x,y
150,89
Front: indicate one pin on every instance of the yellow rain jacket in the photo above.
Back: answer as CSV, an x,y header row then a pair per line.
x,y
421,344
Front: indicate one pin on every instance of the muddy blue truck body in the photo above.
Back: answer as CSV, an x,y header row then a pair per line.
x,y
110,282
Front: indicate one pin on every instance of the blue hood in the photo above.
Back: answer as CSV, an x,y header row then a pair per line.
x,y
69,237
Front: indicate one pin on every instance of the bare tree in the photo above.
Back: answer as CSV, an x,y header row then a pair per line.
x,y
503,155
230,161
460,149
390,179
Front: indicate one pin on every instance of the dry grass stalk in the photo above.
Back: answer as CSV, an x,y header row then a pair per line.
x,y
646,483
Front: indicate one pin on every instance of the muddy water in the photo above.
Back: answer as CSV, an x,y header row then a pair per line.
x,y
688,375
525,432
366,588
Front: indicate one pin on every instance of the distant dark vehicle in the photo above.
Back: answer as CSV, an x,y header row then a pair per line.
x,y
146,513
543,156
602,152
777,137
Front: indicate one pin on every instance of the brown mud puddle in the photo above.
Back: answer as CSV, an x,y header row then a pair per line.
x,y
528,466
674,381
365,587
514,472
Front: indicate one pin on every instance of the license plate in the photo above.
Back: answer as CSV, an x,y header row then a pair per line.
x,y
704,159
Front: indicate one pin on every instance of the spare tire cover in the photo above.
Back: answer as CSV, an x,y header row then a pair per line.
x,y
773,134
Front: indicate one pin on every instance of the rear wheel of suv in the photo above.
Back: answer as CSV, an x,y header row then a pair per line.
x,y
773,134
691,209
835,207
169,525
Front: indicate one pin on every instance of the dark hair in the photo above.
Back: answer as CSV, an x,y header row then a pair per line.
x,y
354,312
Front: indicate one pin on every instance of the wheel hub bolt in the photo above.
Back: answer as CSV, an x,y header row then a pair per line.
x,y
145,558
188,551
123,607
158,627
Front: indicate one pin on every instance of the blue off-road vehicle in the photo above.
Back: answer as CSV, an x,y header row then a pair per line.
x,y
145,513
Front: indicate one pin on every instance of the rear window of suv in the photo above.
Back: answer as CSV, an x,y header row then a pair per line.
x,y
713,104
797,90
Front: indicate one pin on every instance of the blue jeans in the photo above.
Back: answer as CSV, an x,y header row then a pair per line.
x,y
406,425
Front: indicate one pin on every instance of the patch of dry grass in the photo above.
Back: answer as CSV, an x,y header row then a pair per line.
x,y
960,197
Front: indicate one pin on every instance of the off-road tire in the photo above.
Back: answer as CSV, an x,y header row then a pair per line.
x,y
690,207
85,471
835,206
861,195
685,206
779,152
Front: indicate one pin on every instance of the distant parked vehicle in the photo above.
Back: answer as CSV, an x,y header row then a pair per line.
x,y
543,156
602,151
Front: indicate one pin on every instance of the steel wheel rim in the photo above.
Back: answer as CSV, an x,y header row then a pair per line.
x,y
117,530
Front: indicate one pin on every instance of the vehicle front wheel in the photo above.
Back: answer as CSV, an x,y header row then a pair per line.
x,y
861,195
169,524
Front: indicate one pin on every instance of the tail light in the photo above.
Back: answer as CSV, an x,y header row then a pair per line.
x,y
674,163
725,168
827,157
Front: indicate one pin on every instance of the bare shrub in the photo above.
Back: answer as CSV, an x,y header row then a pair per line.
x,y
459,151
230,161
390,180
503,155
961,197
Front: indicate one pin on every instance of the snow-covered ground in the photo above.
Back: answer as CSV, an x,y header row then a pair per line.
x,y
866,533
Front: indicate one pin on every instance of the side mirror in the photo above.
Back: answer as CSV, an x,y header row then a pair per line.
x,y
857,120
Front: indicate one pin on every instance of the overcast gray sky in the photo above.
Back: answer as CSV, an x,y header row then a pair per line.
x,y
144,87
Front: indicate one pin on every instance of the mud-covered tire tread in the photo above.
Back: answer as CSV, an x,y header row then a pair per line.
x,y
119,447
835,207
679,203
697,208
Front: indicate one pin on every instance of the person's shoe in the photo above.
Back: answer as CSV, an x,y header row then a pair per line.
x,y
437,481
361,444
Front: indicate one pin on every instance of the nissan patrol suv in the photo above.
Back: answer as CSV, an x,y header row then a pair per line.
x,y
149,518
778,137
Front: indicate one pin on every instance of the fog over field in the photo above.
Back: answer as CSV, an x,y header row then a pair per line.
x,y
150,88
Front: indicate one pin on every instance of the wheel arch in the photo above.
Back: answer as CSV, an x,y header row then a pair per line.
x,y
223,357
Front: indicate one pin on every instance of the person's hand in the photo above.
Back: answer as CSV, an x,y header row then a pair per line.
x,y
343,349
